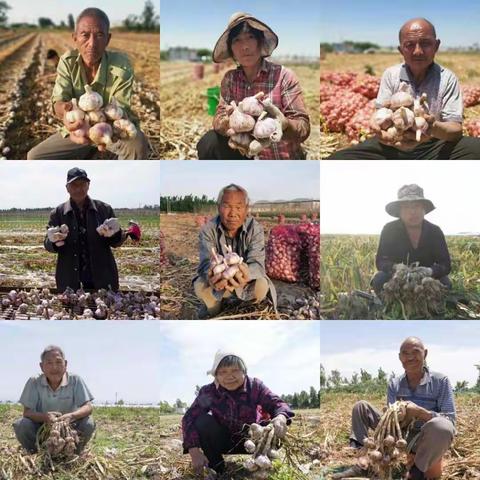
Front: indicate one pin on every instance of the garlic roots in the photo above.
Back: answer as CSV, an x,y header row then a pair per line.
x,y
124,128
90,100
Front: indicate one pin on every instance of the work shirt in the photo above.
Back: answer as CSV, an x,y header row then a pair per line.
x,y
233,410
434,393
444,97
114,78
281,85
39,396
395,247
249,243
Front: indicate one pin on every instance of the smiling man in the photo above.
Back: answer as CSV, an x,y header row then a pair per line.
x,y
55,395
232,227
430,402
418,44
108,73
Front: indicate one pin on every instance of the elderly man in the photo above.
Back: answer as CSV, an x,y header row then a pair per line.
x,y
430,403
411,239
232,227
82,231
443,137
53,396
108,73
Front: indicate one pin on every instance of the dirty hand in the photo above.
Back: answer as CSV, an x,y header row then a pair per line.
x,y
280,425
199,460
241,278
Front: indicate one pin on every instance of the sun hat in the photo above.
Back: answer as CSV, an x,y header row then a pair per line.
x,y
408,193
219,356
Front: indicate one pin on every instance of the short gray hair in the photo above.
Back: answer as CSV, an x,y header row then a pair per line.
x,y
233,187
94,12
50,349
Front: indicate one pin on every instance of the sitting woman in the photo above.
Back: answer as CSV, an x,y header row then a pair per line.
x,y
249,41
218,420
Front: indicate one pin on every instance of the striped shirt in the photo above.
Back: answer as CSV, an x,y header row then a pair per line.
x,y
434,393
440,84
283,88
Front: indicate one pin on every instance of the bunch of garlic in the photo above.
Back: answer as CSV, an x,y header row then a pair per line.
x,y
250,128
101,126
62,440
404,113
228,265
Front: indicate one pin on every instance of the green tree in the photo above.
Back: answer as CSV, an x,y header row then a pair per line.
x,y
4,6
71,22
44,22
461,386
323,377
149,19
335,378
314,398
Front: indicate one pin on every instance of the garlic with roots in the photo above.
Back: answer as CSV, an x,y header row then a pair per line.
x,y
113,111
239,121
249,446
252,105
267,127
125,128
96,116
101,134
75,114
402,98
403,119
90,100
383,117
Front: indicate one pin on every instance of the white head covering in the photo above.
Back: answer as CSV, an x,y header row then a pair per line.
x,y
219,356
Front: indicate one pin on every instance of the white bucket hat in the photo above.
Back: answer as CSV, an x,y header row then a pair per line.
x,y
219,356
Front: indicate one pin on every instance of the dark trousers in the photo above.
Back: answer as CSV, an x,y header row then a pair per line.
x,y
216,440
381,278
213,146
467,148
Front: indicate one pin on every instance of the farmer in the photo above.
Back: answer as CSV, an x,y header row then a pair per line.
x,y
84,249
55,395
249,42
108,73
210,430
234,228
430,403
443,138
411,239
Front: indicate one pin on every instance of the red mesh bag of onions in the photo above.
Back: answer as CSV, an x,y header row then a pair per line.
x,y
309,234
283,254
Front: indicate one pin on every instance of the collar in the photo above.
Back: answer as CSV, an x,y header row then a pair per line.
x,y
101,75
407,76
44,382
425,379
89,205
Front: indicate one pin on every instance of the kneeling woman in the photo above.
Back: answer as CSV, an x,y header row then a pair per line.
x,y
249,41
218,420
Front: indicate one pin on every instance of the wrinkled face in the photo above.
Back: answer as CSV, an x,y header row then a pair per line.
x,y
91,39
233,210
53,366
418,46
78,189
412,355
230,378
246,49
412,214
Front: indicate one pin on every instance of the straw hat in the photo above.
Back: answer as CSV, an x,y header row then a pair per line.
x,y
221,53
408,193
219,356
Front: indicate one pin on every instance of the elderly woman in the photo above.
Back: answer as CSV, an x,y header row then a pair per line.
x,y
430,402
411,239
249,41
209,428
232,228
53,396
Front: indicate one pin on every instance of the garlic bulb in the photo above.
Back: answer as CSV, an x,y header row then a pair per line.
x,y
75,114
239,121
90,100
125,128
113,111
252,105
232,258
263,462
256,146
402,98
250,465
96,116
83,130
383,117
101,134
403,118
421,126
249,446
267,128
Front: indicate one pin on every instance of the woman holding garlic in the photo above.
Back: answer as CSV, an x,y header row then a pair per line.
x,y
261,113
211,428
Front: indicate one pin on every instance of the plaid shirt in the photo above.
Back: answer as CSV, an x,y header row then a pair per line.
x,y
282,86
233,410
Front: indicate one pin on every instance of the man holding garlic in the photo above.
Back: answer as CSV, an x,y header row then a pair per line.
x,y
420,106
236,241
102,82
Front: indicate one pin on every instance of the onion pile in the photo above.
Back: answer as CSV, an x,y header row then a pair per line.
x,y
338,111
310,237
473,127
283,254
471,96
342,79
358,128
367,85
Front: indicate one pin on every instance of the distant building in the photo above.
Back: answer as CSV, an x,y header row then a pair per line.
x,y
183,54
298,205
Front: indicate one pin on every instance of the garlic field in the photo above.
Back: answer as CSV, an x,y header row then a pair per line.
x,y
349,84
26,116
348,264
184,106
462,461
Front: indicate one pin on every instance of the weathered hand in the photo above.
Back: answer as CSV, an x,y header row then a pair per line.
x,y
67,417
199,460
242,277
52,417
109,227
217,282
280,425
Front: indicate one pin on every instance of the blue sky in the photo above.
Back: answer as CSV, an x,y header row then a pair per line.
x,y
262,180
375,21
350,345
58,10
42,184
199,24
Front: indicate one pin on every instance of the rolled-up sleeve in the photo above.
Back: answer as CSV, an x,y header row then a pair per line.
x,y
81,393
452,101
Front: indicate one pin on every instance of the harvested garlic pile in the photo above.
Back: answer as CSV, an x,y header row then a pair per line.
x,y
228,265
404,113
250,128
382,452
60,440
263,444
101,126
